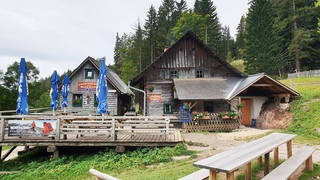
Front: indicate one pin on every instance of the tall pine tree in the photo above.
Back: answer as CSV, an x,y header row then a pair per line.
x,y
261,52
213,30
240,37
150,27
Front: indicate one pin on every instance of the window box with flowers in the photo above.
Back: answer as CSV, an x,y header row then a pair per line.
x,y
200,115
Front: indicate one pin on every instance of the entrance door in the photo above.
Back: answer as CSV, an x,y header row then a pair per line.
x,y
245,112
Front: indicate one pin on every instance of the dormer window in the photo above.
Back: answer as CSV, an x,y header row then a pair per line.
x,y
199,73
89,74
174,74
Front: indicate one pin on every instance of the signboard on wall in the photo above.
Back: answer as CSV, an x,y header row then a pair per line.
x,y
31,127
155,98
184,115
87,86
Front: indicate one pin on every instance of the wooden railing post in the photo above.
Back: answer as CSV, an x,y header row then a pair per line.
x,y
2,129
167,128
113,131
58,130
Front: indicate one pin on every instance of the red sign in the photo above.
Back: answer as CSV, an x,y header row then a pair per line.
x,y
87,86
155,98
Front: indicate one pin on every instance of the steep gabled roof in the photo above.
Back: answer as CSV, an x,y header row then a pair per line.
x,y
113,78
191,35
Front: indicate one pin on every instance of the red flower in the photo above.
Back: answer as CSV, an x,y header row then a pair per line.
x,y
189,103
192,113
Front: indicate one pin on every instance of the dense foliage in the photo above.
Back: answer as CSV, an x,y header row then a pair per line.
x,y
38,88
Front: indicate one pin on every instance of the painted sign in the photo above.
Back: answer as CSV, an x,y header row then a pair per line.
x,y
155,98
184,115
31,127
87,86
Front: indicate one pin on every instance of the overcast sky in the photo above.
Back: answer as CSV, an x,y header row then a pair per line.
x,y
59,35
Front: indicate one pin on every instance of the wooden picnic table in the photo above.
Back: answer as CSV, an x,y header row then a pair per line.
x,y
231,160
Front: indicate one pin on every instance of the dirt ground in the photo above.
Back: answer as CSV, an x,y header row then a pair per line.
x,y
214,143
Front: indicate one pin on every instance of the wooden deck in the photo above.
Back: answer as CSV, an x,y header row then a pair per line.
x,y
97,131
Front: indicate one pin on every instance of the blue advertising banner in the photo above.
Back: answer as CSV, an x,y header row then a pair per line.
x,y
184,115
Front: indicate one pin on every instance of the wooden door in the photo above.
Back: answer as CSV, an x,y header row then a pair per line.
x,y
245,112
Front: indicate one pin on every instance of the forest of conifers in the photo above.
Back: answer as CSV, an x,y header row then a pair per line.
x,y
275,36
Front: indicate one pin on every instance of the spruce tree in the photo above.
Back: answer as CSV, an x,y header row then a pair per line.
x,y
261,51
213,30
150,27
240,38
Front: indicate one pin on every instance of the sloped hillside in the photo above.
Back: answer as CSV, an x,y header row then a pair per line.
x,y
306,110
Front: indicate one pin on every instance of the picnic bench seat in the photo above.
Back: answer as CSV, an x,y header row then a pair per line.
x,y
199,175
287,168
230,161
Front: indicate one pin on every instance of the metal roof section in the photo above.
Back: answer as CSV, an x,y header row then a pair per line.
x,y
205,88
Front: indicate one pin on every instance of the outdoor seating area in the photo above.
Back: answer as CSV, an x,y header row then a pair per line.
x,y
230,161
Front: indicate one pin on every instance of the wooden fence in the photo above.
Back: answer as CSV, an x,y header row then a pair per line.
x,y
212,125
310,73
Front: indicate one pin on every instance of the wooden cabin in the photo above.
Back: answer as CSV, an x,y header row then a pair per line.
x,y
189,71
82,95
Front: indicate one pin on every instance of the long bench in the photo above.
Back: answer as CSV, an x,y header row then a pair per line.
x,y
287,168
199,175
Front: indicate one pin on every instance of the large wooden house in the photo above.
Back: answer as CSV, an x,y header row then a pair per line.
x,y
189,71
82,95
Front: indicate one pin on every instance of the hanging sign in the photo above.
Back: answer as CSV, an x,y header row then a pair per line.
x,y
31,127
87,86
155,98
184,115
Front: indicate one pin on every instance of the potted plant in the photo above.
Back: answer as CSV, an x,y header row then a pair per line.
x,y
187,106
223,115
151,88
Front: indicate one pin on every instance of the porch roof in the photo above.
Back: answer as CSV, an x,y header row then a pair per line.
x,y
228,88
205,88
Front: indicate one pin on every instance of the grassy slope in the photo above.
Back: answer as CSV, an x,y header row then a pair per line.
x,y
130,165
306,110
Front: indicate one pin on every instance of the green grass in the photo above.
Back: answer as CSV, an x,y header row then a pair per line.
x,y
36,164
306,111
6,147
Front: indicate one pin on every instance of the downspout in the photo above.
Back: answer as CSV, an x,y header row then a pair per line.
x,y
144,97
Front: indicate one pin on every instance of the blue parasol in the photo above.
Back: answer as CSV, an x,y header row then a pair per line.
x,y
54,91
65,90
102,90
22,101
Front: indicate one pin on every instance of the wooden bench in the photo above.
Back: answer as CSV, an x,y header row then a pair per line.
x,y
199,175
230,161
287,168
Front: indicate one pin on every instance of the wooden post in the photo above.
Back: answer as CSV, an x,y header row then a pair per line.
x,y
167,128
309,164
266,163
56,153
289,148
276,155
212,175
57,130
0,153
230,175
260,160
2,129
248,171
113,132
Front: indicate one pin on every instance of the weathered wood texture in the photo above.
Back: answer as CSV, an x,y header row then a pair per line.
x,y
212,125
200,174
231,160
101,176
287,168
186,58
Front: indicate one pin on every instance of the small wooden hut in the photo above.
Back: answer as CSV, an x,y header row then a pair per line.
x,y
82,96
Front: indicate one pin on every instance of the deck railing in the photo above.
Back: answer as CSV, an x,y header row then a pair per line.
x,y
85,125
